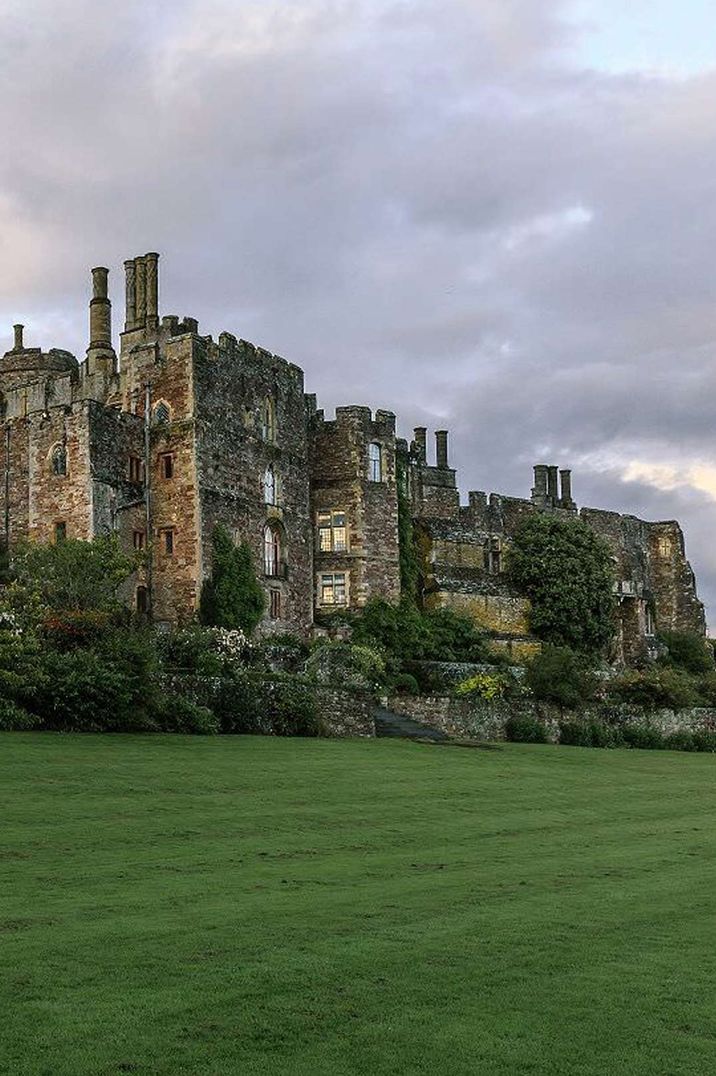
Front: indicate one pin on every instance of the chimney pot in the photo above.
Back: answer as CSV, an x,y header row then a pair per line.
x,y
420,435
18,330
441,444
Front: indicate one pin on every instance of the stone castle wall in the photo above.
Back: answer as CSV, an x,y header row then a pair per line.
x,y
231,438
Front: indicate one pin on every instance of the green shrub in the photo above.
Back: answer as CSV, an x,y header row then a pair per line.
x,y
349,665
405,684
74,575
680,741
181,715
14,718
643,736
689,651
406,634
593,733
658,687
558,675
705,740
291,708
523,729
83,693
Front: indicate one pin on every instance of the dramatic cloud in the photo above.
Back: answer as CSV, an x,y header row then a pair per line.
x,y
448,207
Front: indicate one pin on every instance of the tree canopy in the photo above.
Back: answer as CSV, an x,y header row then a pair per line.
x,y
566,571
74,575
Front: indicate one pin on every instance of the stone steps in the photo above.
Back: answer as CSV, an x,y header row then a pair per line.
x,y
395,725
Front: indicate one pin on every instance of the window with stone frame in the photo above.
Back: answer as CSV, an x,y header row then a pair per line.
x,y
139,539
274,604
162,412
649,621
142,600
58,460
268,420
375,462
60,531
665,547
273,552
167,540
270,484
332,588
493,556
332,532
166,465
136,469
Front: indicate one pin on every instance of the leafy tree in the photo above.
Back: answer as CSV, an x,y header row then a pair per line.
x,y
565,569
74,575
656,687
559,676
689,651
231,597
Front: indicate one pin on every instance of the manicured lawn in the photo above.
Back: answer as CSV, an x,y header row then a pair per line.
x,y
239,905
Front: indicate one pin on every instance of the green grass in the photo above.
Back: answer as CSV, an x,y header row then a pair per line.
x,y
240,905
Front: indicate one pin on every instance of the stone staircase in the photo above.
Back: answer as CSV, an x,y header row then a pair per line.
x,y
388,723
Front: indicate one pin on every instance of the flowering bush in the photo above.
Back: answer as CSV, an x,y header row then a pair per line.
x,y
486,686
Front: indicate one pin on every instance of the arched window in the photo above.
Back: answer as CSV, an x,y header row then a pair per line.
x,y
162,412
375,462
58,460
270,486
268,420
272,550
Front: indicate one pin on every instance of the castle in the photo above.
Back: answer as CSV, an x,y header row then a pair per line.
x,y
180,432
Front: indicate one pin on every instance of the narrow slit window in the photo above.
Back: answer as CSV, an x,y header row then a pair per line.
x,y
167,540
139,540
375,462
136,469
275,604
60,531
166,462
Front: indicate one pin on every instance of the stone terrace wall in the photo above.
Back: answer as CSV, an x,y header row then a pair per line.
x,y
345,714
480,720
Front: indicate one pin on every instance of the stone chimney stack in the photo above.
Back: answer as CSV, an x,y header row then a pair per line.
x,y
539,490
552,486
100,311
566,489
441,445
100,353
151,264
18,331
420,434
142,292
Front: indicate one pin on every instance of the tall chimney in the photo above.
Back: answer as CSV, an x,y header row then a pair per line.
x,y
130,318
100,311
140,291
420,434
566,486
539,490
152,289
552,486
18,331
441,445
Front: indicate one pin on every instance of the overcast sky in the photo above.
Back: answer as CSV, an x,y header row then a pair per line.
x,y
497,216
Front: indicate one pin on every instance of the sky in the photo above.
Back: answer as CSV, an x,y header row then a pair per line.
x,y
495,216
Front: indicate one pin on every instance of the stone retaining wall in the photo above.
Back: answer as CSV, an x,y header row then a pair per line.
x,y
477,719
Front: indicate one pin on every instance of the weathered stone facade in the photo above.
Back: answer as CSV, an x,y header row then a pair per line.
x,y
179,432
